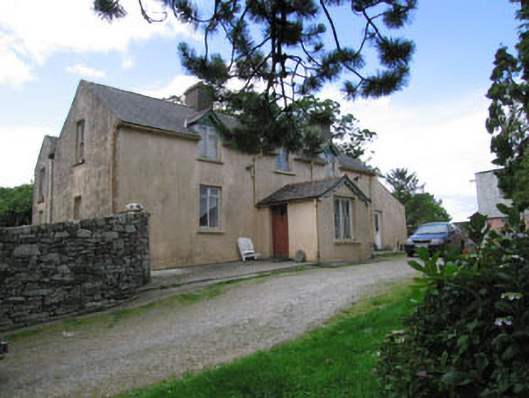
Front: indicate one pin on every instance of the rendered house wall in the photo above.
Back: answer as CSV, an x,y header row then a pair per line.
x,y
125,164
303,229
332,250
89,180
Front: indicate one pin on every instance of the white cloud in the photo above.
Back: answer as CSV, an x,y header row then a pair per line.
x,y
444,143
13,70
85,71
127,62
19,150
176,86
39,29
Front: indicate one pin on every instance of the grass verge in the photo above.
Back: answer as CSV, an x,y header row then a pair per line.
x,y
336,360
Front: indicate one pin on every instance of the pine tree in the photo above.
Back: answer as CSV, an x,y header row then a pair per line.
x,y
508,120
280,52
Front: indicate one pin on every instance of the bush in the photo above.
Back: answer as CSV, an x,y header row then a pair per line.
x,y
470,335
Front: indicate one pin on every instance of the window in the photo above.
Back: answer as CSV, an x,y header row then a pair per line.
x,y
282,161
77,208
79,142
209,207
330,166
343,219
208,147
42,182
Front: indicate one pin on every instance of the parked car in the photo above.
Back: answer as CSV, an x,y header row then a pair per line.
x,y
436,236
4,349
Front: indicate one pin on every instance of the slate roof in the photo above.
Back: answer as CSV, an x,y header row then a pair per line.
x,y
311,190
144,111
156,113
353,164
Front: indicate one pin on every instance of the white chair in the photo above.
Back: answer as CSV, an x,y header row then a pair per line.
x,y
246,248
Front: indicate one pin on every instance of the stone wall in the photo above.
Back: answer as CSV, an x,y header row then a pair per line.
x,y
51,270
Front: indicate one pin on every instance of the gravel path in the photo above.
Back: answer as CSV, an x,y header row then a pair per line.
x,y
96,361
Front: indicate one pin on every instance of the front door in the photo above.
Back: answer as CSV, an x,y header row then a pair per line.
x,y
280,230
378,230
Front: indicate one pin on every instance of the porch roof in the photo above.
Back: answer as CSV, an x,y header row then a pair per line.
x,y
311,190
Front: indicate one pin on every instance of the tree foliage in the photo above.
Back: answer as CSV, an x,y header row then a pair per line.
x,y
509,115
421,207
15,205
404,183
293,47
470,335
281,51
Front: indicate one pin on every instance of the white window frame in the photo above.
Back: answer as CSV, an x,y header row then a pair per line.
x,y
282,160
208,146
343,219
210,194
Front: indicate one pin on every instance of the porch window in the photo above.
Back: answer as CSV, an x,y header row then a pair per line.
x,y
343,219
208,146
282,160
209,207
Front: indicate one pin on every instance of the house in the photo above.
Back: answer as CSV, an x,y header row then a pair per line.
x,y
118,147
489,195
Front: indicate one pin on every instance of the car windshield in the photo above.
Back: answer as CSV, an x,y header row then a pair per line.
x,y
431,229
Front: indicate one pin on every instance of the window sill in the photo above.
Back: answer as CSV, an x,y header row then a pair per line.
x,y
287,173
215,161
211,231
347,242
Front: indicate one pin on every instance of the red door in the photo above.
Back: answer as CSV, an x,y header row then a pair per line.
x,y
280,230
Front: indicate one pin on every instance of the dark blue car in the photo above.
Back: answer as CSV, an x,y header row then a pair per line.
x,y
436,236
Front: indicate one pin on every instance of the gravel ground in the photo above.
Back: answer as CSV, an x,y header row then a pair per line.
x,y
92,360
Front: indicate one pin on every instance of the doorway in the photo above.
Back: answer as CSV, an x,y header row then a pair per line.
x,y
378,230
280,230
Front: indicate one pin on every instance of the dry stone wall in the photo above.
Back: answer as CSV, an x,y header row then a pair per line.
x,y
51,270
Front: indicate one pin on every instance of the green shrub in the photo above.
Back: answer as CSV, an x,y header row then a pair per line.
x,y
470,335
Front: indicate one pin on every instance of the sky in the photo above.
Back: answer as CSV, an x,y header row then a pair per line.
x,y
434,127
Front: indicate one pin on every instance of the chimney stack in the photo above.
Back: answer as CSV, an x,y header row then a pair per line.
x,y
198,97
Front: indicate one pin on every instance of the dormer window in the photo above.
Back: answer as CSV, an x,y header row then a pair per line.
x,y
330,166
79,142
282,162
208,146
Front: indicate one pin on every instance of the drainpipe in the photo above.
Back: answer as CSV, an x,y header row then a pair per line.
x,y
312,170
113,167
254,177
317,231
371,213
50,192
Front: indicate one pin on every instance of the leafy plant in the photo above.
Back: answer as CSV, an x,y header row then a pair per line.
x,y
16,205
470,335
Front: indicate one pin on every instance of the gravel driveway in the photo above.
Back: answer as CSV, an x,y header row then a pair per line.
x,y
167,341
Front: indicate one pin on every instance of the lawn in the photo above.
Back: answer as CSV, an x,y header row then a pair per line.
x,y
336,360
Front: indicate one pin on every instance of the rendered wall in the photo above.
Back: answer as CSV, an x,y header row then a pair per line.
x,y
52,270
164,173
332,250
303,229
91,179
393,216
